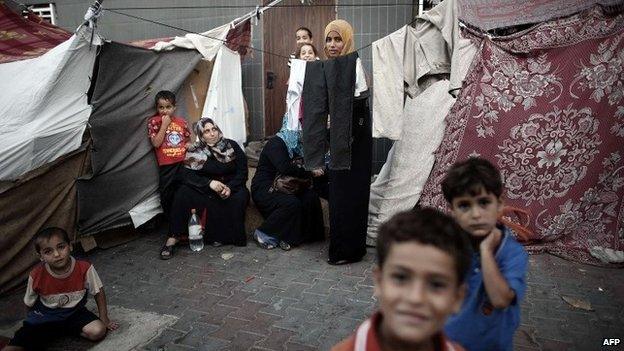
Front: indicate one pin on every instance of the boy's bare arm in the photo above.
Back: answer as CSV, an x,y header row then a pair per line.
x,y
157,139
100,300
496,287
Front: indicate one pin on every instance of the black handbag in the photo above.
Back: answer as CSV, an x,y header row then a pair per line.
x,y
290,185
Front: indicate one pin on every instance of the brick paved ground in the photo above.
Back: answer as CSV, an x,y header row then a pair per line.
x,y
276,300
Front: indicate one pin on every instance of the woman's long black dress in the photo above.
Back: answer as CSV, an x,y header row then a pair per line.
x,y
225,219
294,219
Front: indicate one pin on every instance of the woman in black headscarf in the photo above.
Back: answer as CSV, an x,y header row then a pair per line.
x,y
213,178
290,219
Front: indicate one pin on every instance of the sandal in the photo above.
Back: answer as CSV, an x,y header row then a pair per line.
x,y
267,245
284,246
166,252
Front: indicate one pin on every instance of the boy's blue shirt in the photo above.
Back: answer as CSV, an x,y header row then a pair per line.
x,y
478,326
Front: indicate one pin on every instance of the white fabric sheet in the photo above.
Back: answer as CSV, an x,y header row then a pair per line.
x,y
44,105
145,210
360,78
224,100
404,59
399,184
207,43
410,62
293,95
388,79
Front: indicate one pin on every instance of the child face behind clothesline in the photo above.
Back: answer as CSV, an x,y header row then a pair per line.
x,y
55,251
418,288
303,37
307,53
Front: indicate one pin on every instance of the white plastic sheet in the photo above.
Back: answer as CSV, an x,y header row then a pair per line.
x,y
44,105
224,101
207,43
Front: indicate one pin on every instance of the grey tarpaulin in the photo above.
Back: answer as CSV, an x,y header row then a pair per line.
x,y
123,162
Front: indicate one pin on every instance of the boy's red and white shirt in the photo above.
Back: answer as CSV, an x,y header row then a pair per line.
x,y
366,339
62,291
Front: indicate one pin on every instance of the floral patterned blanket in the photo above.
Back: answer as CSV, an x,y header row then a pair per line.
x,y
26,37
546,105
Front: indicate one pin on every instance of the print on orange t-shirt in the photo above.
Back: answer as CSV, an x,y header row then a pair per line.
x,y
173,147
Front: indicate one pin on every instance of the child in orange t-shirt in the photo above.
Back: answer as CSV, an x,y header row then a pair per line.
x,y
169,135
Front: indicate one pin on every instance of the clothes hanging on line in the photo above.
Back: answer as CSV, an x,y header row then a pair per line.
x,y
411,103
224,100
293,95
330,88
400,181
405,60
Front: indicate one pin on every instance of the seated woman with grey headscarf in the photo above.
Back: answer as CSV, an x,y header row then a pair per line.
x,y
213,179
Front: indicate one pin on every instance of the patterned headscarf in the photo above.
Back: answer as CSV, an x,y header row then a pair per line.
x,y
345,30
292,138
200,151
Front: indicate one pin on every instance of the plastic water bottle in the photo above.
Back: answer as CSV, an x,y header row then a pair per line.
x,y
196,233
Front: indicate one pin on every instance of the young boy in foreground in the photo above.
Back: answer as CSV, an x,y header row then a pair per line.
x,y
57,293
496,279
422,258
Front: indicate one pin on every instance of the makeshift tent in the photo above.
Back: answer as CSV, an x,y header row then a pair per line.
x,y
53,181
122,189
45,76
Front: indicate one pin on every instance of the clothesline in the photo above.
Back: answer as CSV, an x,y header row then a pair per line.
x,y
248,6
204,35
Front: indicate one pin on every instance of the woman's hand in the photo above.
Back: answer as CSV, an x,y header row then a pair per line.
x,y
217,186
221,189
318,172
226,192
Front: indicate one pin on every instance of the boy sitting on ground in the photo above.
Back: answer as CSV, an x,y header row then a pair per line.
x,y
496,279
422,258
57,293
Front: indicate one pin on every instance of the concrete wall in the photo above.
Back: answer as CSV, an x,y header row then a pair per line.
x,y
370,23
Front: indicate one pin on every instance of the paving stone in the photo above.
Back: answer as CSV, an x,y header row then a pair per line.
x,y
279,305
244,341
204,301
166,338
237,298
276,339
248,310
347,283
554,345
265,295
217,314
320,286
199,337
187,321
230,327
293,290
292,346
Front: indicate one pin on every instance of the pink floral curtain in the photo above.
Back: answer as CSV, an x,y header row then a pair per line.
x,y
547,107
